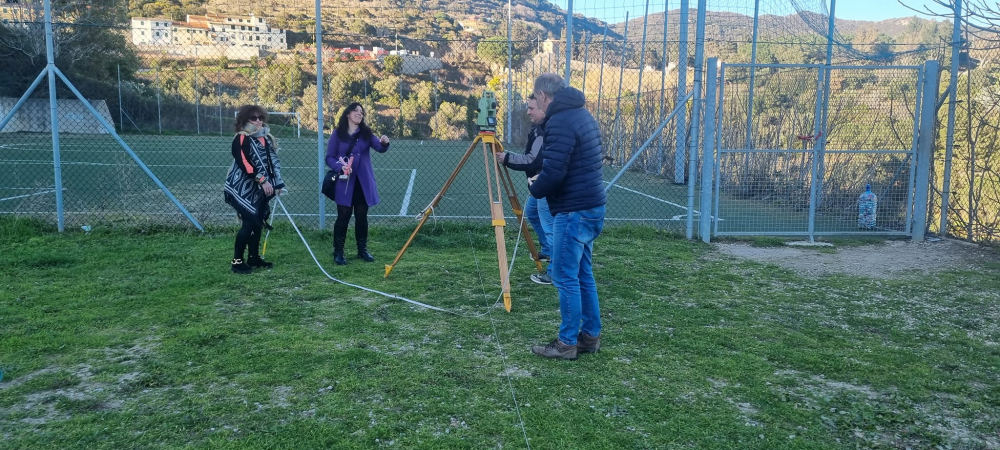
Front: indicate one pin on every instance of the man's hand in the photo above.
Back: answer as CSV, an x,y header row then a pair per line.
x,y
384,139
500,157
268,189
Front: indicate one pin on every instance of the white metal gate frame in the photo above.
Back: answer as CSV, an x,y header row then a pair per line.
x,y
918,153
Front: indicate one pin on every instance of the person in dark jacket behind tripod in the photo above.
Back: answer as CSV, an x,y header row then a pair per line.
x,y
536,210
254,179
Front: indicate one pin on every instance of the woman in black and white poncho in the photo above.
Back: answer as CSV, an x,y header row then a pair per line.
x,y
253,180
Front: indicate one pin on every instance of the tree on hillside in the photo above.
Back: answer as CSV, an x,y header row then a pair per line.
x,y
348,81
388,91
87,44
408,116
393,64
527,35
449,123
340,87
280,85
361,27
331,110
423,93
493,50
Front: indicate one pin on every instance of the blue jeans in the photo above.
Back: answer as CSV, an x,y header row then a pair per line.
x,y
537,213
572,272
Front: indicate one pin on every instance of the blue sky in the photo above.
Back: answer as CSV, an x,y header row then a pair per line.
x,y
879,9
613,11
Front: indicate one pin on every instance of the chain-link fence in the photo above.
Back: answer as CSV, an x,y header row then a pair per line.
x,y
168,80
968,172
769,164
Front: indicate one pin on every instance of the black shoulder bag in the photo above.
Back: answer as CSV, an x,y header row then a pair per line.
x,y
330,179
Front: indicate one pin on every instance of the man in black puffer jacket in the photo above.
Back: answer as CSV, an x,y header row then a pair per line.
x,y
572,181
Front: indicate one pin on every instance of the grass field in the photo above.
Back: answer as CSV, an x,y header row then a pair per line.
x,y
103,184
141,338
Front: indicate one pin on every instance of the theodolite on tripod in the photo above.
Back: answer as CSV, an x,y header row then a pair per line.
x,y
486,120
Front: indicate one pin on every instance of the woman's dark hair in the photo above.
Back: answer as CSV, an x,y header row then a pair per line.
x,y
342,124
244,114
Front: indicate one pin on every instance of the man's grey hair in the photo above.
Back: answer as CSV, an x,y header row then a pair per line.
x,y
549,83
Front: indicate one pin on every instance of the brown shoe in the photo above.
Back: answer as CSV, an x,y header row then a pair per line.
x,y
555,350
588,344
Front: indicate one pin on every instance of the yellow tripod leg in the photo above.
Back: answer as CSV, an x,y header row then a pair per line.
x,y
430,208
496,212
515,205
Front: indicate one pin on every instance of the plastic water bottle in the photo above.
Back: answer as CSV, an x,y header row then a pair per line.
x,y
867,203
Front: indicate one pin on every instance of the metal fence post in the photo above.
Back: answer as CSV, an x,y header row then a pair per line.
x,y
54,116
914,149
600,78
616,134
197,100
924,150
159,114
682,61
320,151
708,152
696,110
956,37
569,40
663,87
642,65
819,134
820,178
218,91
717,162
586,53
510,77
121,112
753,74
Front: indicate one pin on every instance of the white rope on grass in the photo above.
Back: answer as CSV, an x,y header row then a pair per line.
x,y
393,296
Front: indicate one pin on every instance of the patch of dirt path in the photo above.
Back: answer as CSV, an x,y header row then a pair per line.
x,y
888,260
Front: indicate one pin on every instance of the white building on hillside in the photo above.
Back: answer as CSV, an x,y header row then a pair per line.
x,y
150,31
210,29
20,13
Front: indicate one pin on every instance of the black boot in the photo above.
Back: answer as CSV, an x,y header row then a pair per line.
x,y
241,267
363,251
258,262
338,248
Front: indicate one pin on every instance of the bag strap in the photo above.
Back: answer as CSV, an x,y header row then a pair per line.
x,y
354,142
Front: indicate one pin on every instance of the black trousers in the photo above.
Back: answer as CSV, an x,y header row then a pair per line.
x,y
248,236
359,207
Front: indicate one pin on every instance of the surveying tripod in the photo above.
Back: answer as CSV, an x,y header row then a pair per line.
x,y
499,172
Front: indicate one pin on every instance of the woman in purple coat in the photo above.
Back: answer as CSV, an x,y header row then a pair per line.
x,y
349,152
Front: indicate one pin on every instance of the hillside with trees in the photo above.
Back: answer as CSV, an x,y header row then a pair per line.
x,y
469,37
